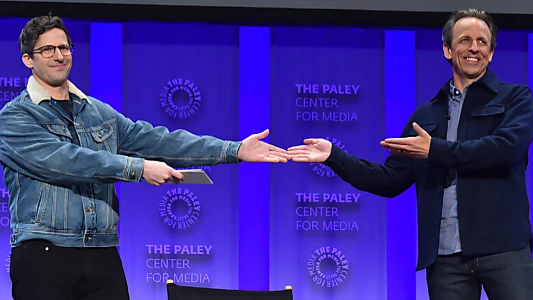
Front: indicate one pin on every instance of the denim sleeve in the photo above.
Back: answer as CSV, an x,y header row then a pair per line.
x,y
28,148
178,149
507,145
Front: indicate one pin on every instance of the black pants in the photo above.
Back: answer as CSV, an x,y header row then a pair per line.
x,y
40,270
504,276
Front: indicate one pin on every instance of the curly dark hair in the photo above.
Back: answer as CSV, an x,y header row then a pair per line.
x,y
35,28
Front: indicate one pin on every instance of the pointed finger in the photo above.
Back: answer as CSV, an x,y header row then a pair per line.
x,y
298,152
310,141
275,148
274,159
280,155
399,141
395,146
294,148
300,159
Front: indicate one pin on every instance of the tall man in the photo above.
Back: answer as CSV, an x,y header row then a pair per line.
x,y
467,152
61,153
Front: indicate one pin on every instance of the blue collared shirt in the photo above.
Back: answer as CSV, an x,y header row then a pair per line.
x,y
449,229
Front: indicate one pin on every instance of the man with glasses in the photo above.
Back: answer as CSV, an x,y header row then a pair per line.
x,y
61,153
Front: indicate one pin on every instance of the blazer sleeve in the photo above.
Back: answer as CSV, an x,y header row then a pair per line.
x,y
387,180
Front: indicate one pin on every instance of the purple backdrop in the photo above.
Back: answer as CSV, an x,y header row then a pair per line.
x,y
327,239
193,88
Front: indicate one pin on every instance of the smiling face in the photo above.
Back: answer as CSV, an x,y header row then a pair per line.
x,y
470,51
52,60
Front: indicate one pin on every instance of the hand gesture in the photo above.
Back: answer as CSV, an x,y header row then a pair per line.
x,y
254,150
157,173
416,147
314,150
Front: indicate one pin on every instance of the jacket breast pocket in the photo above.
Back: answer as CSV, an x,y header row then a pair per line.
x,y
428,127
61,131
485,120
103,138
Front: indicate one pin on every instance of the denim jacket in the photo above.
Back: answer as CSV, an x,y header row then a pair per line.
x,y
60,172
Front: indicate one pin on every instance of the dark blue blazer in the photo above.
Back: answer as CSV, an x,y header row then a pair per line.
x,y
490,157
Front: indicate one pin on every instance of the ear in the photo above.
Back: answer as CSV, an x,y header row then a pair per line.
x,y
447,51
491,54
28,62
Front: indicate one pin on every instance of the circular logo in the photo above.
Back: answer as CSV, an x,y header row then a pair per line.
x,y
179,208
7,262
180,98
328,267
322,169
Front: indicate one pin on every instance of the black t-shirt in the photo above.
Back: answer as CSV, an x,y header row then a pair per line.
x,y
67,105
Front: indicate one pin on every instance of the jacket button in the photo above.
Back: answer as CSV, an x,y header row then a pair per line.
x,y
132,175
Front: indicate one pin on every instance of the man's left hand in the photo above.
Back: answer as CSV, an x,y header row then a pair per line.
x,y
254,150
416,147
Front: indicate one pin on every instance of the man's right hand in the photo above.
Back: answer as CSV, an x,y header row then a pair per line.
x,y
157,173
314,150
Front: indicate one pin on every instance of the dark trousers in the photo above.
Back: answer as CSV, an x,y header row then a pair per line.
x,y
504,276
40,270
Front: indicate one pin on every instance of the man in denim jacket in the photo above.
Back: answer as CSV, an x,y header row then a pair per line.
x,y
61,153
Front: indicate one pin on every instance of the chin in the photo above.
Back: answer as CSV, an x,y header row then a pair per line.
x,y
57,82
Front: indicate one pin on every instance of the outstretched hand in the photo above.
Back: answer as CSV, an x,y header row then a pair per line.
x,y
252,149
415,147
313,150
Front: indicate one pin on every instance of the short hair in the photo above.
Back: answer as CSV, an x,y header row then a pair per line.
x,y
447,32
35,28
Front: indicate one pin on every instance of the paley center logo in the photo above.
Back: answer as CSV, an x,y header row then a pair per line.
x,y
322,169
328,267
180,98
179,208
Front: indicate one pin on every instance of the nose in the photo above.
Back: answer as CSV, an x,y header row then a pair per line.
x,y
58,55
474,47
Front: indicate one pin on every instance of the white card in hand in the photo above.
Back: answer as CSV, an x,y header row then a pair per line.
x,y
196,176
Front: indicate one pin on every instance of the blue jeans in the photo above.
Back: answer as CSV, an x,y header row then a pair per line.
x,y
504,276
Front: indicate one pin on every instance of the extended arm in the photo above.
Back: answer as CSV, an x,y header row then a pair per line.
x,y
387,180
34,151
178,148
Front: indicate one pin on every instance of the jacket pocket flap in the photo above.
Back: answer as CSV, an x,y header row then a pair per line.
x,y
59,129
489,110
428,127
100,135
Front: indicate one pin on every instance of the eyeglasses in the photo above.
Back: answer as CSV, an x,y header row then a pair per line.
x,y
48,51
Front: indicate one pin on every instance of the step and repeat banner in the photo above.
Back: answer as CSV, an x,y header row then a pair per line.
x,y
185,233
327,238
